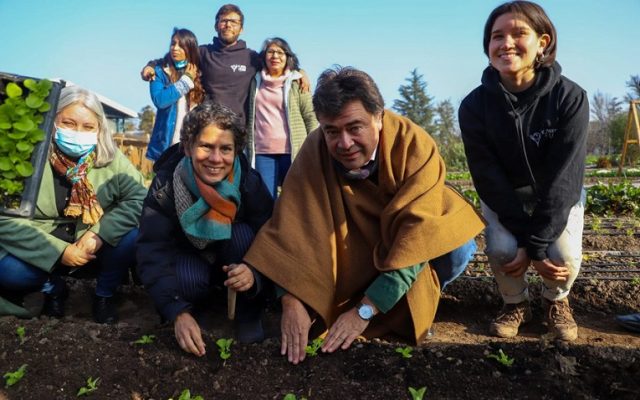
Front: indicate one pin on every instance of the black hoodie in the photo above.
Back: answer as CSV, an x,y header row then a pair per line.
x,y
535,138
227,73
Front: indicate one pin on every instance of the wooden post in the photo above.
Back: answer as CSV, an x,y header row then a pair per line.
x,y
632,122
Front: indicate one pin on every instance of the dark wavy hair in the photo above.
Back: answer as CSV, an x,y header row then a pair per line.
x,y
341,85
189,43
208,113
292,60
535,17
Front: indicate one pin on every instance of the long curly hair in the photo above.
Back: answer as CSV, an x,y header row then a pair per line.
x,y
189,43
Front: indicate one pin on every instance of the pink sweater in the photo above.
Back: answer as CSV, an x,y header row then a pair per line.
x,y
271,127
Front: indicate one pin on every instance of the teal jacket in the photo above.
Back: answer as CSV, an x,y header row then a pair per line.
x,y
120,191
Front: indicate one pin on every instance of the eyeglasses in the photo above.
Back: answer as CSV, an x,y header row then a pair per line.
x,y
232,22
278,53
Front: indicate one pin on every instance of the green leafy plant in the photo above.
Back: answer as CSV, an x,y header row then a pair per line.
x,y
291,396
417,394
313,348
21,113
405,352
534,279
613,199
502,358
145,339
21,333
635,281
13,377
596,224
224,347
92,386
186,395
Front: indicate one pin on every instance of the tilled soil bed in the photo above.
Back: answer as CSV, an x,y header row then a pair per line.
x,y
604,363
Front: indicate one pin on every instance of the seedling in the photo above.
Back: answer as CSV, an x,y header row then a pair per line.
x,y
635,281
92,386
502,358
21,331
224,347
186,395
595,224
417,394
145,339
534,279
312,349
291,396
11,378
405,352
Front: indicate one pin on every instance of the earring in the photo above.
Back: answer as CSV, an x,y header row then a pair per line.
x,y
540,59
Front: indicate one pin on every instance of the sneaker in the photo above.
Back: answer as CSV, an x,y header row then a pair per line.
x,y
104,310
511,316
560,319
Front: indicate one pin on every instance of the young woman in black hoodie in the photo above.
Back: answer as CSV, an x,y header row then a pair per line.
x,y
524,131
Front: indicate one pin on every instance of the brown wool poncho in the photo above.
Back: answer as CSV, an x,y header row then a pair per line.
x,y
330,237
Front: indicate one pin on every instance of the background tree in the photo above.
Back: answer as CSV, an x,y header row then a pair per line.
x,y
634,84
448,137
147,117
414,102
605,109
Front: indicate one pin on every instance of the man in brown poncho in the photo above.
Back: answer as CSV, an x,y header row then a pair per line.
x,y
363,217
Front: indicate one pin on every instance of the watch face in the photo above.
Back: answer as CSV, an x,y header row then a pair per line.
x,y
365,312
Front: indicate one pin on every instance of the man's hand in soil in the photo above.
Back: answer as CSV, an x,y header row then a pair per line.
x,y
518,265
188,334
240,277
552,270
73,256
344,331
295,324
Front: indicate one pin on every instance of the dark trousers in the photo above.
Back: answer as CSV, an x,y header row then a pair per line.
x,y
197,277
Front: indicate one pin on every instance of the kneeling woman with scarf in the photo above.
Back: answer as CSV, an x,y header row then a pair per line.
x,y
201,215
86,216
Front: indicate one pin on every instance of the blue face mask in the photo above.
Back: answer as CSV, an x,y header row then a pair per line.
x,y
74,143
180,64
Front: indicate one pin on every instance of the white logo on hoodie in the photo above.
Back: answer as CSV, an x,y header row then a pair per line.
x,y
239,67
547,133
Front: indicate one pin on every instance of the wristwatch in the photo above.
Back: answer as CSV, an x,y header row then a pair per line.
x,y
365,311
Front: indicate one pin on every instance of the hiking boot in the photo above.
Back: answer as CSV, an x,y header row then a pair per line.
x,y
560,320
510,318
104,310
53,305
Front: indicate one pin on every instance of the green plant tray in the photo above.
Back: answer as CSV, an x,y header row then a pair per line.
x,y
39,157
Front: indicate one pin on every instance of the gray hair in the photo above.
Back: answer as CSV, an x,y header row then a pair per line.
x,y
106,147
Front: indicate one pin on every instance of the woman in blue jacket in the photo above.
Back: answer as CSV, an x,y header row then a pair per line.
x,y
175,91
524,131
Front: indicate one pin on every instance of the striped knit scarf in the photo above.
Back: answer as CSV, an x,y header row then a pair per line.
x,y
209,218
83,201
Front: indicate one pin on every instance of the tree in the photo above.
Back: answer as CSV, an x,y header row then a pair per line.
x,y
448,137
634,84
414,102
605,109
147,117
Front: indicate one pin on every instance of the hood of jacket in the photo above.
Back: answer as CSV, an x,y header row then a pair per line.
x,y
545,79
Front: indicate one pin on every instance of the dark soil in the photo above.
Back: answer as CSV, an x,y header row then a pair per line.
x,y
604,363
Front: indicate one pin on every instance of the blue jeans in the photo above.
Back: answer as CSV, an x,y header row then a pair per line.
x,y
19,276
451,265
273,168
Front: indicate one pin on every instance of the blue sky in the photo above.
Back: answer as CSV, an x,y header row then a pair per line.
x,y
102,44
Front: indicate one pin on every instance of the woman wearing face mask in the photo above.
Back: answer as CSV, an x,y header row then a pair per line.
x,y
280,114
87,212
524,131
175,91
